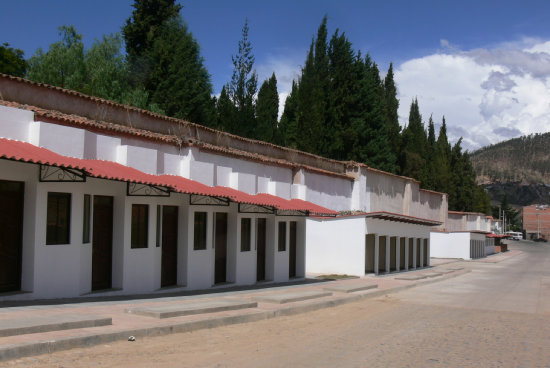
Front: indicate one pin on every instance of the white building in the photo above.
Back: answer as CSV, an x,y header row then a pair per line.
x,y
100,198
465,235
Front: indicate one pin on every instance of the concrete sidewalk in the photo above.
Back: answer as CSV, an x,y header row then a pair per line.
x,y
140,317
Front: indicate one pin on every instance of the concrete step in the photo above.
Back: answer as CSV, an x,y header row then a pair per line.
x,y
191,308
292,297
350,288
455,268
444,272
432,274
22,326
413,277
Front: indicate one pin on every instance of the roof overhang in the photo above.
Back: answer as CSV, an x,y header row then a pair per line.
x,y
395,217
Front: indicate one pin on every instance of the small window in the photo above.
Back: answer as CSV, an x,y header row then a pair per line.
x,y
86,219
140,224
199,233
245,234
282,236
58,218
159,220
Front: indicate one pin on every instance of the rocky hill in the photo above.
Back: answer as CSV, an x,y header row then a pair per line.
x,y
519,168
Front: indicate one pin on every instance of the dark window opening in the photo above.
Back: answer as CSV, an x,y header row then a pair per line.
x,y
140,224
246,228
58,218
282,236
199,233
86,219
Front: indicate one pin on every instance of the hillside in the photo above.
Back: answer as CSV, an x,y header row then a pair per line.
x,y
518,168
525,160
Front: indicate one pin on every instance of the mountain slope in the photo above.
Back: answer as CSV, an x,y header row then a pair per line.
x,y
525,160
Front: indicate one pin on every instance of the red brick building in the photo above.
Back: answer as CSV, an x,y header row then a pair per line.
x,y
536,221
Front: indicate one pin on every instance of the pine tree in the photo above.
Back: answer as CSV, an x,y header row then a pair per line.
x,y
180,82
392,106
287,133
312,95
267,111
142,29
414,141
225,111
243,87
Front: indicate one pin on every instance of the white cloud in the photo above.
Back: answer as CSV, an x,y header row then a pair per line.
x,y
486,95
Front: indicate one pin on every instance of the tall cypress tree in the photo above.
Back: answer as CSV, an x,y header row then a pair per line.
x,y
392,106
267,110
243,87
312,95
165,60
179,80
287,131
414,141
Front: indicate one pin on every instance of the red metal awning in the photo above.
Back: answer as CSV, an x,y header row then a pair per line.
x,y
26,152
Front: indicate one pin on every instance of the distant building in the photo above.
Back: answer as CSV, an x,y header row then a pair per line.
x,y
536,221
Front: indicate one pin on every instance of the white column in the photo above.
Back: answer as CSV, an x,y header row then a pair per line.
x,y
376,253
407,255
397,252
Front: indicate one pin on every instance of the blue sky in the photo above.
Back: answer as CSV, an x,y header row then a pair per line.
x,y
476,62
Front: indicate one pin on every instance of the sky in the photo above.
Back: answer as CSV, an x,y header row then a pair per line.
x,y
483,65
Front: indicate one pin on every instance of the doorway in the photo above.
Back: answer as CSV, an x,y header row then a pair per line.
x,y
261,229
369,253
102,243
220,236
169,263
292,250
11,234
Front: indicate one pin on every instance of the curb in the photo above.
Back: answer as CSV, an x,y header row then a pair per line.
x,y
17,351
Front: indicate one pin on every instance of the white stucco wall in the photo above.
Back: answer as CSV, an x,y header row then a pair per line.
x,y
335,246
450,245
386,192
330,192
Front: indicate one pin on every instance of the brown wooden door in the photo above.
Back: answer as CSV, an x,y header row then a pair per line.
x,y
102,242
169,273
220,247
292,250
260,248
11,234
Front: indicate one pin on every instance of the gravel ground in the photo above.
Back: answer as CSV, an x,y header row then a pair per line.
x,y
427,326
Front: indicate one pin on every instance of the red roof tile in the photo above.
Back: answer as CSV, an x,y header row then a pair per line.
x,y
26,152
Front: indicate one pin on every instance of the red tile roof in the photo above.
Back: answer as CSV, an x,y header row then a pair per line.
x,y
26,152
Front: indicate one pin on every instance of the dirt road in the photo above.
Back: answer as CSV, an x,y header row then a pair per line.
x,y
496,316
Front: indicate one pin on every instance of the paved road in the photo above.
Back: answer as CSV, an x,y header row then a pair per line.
x,y
496,316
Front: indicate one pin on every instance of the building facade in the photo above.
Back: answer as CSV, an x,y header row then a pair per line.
x,y
536,221
105,199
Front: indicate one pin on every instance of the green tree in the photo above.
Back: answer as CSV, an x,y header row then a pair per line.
x,y
267,111
63,64
143,28
180,83
12,61
414,142
392,106
287,133
243,87
225,110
